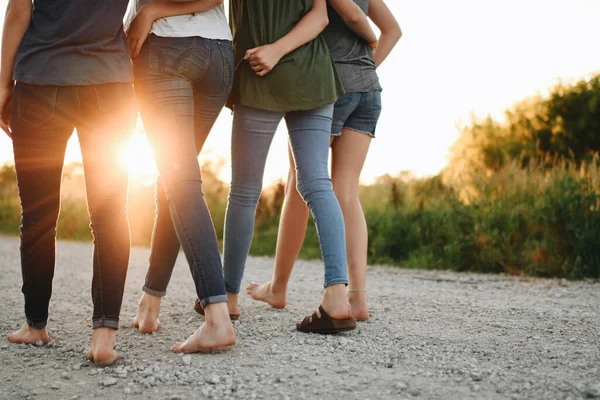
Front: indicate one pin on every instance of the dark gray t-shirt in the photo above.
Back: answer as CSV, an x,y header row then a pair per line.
x,y
353,59
74,42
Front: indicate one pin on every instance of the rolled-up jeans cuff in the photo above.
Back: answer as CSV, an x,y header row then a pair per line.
x,y
37,324
153,292
105,323
214,299
232,289
336,282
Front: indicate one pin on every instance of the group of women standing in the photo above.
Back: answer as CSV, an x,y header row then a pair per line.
x,y
326,88
310,62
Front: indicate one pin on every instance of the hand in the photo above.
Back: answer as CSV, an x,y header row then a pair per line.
x,y
5,108
138,30
263,59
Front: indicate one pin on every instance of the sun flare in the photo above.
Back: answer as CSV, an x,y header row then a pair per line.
x,y
139,159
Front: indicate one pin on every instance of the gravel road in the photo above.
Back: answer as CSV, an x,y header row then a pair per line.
x,y
432,335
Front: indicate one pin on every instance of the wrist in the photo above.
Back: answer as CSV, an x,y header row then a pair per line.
x,y
373,45
280,48
150,11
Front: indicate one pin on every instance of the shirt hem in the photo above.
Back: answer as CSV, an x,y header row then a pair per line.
x,y
301,107
55,82
180,34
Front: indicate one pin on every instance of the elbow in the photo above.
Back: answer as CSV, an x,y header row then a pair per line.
x,y
399,33
353,19
323,22
394,32
17,15
217,2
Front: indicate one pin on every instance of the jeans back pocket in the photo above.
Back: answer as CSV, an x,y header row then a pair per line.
x,y
226,49
171,56
35,104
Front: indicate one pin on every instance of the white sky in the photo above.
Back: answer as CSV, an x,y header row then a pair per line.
x,y
455,58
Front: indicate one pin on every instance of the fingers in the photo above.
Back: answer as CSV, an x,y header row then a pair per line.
x,y
138,47
263,72
5,125
132,43
251,52
259,66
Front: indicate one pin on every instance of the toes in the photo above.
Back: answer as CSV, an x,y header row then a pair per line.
x,y
135,323
177,348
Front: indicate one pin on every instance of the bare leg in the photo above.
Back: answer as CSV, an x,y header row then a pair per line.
x,y
349,153
102,351
232,303
29,335
146,319
216,332
292,228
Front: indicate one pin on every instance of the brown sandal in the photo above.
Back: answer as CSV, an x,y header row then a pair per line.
x,y
321,322
198,308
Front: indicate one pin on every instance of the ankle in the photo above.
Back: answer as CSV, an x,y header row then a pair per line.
x,y
335,291
278,287
215,314
104,332
150,300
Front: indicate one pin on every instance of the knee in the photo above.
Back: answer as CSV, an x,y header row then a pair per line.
x,y
42,216
109,219
180,179
244,194
108,213
291,186
311,189
346,197
38,221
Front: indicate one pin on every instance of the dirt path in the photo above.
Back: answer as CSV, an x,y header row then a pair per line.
x,y
432,335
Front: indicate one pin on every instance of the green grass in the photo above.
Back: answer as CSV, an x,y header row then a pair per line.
x,y
534,221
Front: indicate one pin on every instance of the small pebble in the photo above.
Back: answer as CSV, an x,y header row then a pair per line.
x,y
110,381
593,392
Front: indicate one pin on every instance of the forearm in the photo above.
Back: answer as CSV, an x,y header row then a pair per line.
x,y
16,23
381,15
309,27
363,29
355,19
387,41
168,8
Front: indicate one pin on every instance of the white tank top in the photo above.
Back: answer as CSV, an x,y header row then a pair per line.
x,y
211,24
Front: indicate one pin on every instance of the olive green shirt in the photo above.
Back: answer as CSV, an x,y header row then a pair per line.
x,y
304,79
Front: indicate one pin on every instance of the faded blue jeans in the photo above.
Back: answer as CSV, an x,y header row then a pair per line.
x,y
252,134
182,85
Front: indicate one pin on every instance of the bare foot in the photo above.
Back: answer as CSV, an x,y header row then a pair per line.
x,y
232,304
146,319
358,302
335,302
29,335
102,351
265,293
216,333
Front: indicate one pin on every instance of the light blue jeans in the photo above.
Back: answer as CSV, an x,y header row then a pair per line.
x,y
182,85
252,134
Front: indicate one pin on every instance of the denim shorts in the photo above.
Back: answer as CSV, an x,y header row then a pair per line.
x,y
358,112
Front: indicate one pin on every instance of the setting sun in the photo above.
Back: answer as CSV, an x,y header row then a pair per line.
x,y
138,158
